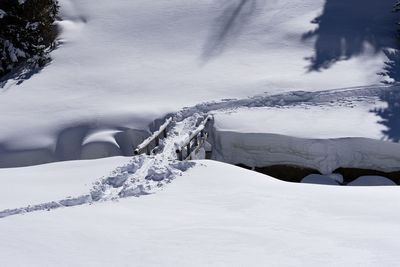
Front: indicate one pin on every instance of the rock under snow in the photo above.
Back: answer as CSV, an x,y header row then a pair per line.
x,y
372,181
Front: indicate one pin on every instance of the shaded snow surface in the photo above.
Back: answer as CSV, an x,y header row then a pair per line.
x,y
371,181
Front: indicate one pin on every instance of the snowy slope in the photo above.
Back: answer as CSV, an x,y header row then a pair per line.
x,y
214,215
39,184
122,64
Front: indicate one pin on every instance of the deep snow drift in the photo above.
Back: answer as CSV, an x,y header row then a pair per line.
x,y
340,129
214,215
122,64
260,150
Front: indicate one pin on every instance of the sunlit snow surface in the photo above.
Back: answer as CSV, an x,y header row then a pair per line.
x,y
335,121
214,215
122,64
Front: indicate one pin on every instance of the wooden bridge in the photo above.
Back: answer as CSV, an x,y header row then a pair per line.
x,y
187,149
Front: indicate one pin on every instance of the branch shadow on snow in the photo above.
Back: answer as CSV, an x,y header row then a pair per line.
x,y
228,26
390,115
346,26
20,74
28,68
392,66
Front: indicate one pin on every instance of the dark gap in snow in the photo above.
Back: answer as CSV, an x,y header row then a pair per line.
x,y
288,173
295,174
351,174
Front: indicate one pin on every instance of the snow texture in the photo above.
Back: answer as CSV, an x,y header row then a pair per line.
x,y
122,64
214,215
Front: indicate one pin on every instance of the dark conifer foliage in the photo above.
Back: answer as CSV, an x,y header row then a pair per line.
x,y
27,32
397,6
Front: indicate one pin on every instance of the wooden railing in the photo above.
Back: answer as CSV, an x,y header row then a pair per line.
x,y
154,140
195,141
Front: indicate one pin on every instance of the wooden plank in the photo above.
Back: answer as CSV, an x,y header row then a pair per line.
x,y
145,145
198,141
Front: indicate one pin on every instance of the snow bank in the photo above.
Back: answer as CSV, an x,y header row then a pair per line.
x,y
325,155
322,136
214,215
308,120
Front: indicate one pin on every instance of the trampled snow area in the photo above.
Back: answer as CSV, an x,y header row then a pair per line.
x,y
122,64
214,215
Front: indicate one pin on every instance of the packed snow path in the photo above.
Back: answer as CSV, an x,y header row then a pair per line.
x,y
145,174
148,174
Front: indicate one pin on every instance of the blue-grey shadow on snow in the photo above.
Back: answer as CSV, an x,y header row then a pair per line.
x,y
392,66
70,145
227,26
390,115
20,74
345,26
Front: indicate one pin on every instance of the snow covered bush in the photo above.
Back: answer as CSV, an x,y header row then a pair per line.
x,y
27,32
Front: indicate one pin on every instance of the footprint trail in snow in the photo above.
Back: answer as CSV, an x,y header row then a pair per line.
x,y
148,174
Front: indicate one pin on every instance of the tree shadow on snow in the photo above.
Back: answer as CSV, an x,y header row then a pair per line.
x,y
390,115
392,67
345,26
228,26
27,69
20,74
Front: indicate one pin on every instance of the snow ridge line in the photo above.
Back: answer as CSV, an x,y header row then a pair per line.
x,y
342,97
148,174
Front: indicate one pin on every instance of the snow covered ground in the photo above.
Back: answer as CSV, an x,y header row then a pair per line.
x,y
44,183
122,64
214,215
261,67
306,121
